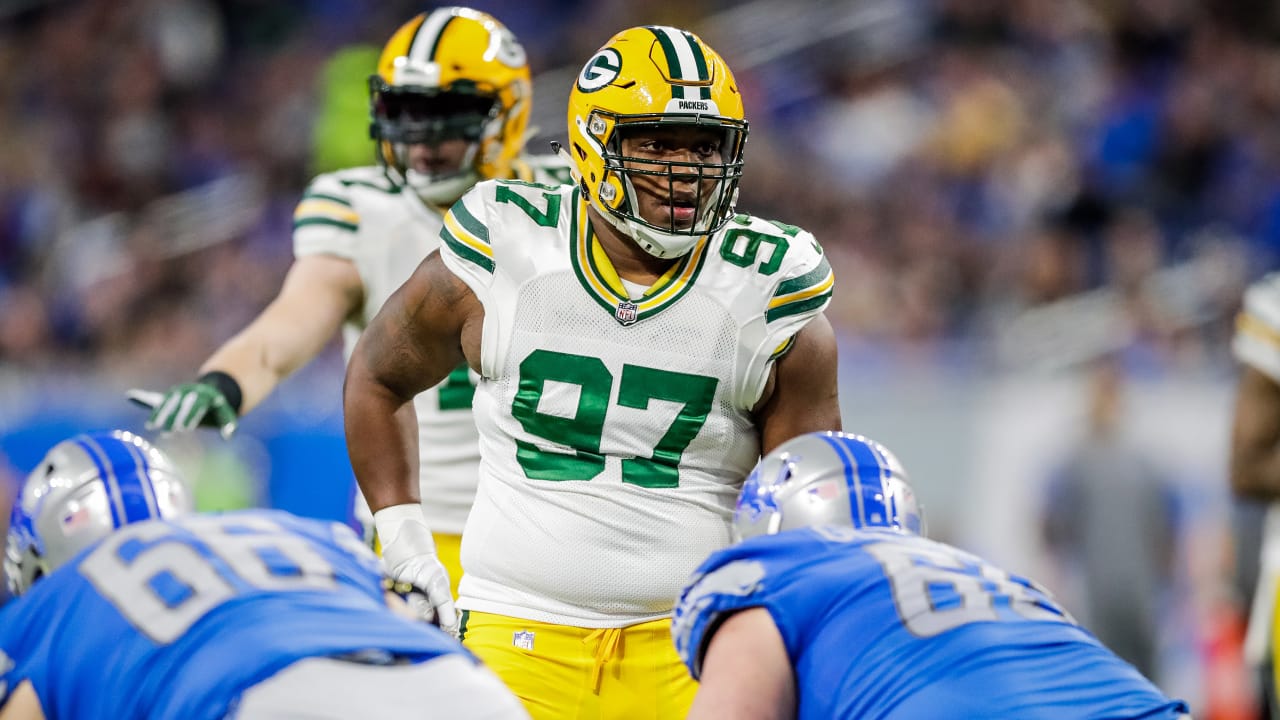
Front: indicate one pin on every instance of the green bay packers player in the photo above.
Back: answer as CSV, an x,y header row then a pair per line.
x,y
638,345
1255,453
450,106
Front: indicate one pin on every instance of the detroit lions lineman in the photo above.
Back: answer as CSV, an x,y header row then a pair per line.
x,y
450,105
128,608
638,344
834,606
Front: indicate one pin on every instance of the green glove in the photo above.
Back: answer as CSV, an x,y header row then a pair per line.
x,y
211,401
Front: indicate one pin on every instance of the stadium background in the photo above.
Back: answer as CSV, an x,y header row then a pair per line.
x,y
1015,196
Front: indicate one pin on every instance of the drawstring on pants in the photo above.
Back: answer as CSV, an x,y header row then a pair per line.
x,y
608,639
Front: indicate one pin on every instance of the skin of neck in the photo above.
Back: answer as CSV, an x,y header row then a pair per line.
x,y
630,261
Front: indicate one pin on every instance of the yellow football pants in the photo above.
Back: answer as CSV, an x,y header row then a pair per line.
x,y
562,672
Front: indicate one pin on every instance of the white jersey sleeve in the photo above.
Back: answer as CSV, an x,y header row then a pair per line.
x,y
326,221
796,279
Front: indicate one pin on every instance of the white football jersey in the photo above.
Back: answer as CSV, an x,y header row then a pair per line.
x,y
1257,344
386,230
615,431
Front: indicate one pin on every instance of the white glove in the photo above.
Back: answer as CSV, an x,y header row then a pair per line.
x,y
409,553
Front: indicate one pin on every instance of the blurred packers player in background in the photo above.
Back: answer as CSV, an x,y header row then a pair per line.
x,y
1255,461
638,345
450,106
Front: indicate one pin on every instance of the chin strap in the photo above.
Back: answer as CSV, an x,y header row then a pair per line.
x,y
442,192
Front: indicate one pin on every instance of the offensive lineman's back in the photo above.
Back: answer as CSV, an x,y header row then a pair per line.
x,y
880,624
180,618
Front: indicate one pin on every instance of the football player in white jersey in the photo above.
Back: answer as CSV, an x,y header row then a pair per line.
x,y
638,345
450,106
1255,452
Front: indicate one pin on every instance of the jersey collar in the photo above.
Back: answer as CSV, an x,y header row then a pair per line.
x,y
600,279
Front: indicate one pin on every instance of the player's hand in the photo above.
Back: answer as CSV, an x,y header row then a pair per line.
x,y
409,553
187,406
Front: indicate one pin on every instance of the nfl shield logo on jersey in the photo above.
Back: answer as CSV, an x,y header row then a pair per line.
x,y
522,639
627,312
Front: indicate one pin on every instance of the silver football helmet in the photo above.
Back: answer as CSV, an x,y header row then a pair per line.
x,y
82,490
827,478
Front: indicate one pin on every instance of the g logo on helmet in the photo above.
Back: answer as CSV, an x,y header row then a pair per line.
x,y
600,70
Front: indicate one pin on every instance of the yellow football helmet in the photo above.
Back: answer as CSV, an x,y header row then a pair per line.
x,y
448,74
648,77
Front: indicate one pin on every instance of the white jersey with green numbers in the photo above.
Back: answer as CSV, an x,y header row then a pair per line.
x,y
615,430
360,215
1257,344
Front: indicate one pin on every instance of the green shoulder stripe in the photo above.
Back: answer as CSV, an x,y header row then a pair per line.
x,y
469,222
797,307
463,251
304,222
313,195
809,279
389,188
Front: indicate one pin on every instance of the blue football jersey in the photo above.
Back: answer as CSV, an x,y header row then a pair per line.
x,y
883,625
175,619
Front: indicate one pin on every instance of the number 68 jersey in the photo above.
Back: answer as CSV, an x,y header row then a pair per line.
x,y
615,424
881,625
177,618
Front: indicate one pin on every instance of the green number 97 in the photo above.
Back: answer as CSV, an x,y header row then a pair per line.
x,y
584,431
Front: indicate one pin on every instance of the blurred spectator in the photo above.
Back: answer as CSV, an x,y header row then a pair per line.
x,y
969,166
1110,517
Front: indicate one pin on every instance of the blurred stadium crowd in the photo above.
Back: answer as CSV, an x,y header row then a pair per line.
x,y
1000,185
962,162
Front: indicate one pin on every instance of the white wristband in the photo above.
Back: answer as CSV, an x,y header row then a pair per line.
x,y
389,521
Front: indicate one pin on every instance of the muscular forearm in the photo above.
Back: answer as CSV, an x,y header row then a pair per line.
x,y
382,440
318,294
247,357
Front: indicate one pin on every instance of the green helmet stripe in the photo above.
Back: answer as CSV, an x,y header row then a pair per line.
x,y
669,49
426,40
685,62
699,61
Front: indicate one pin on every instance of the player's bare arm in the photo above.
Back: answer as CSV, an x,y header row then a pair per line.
x,y
801,395
22,704
746,673
427,327
1255,439
319,293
